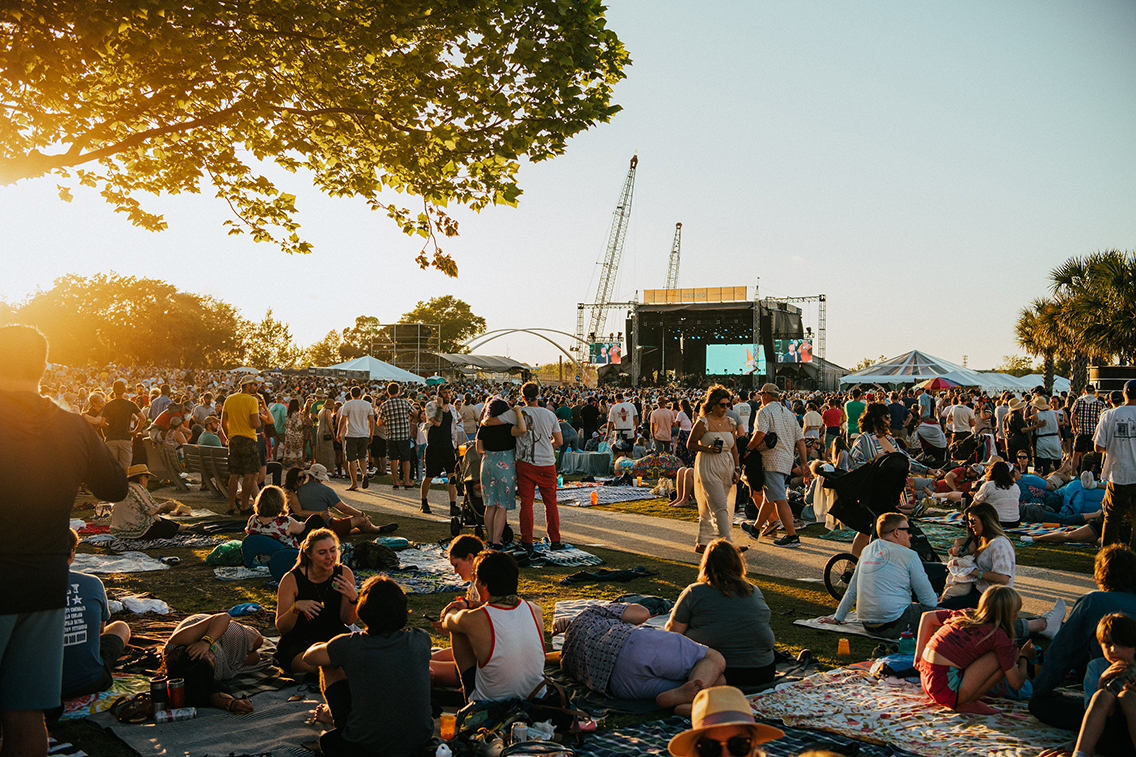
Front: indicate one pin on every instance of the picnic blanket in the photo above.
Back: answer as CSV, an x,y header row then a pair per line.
x,y
63,749
848,701
240,572
942,537
123,684
1033,530
109,541
276,725
581,496
651,739
851,627
569,557
127,562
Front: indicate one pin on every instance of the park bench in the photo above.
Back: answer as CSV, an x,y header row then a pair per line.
x,y
162,460
212,464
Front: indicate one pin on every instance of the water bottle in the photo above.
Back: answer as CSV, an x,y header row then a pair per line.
x,y
559,482
907,642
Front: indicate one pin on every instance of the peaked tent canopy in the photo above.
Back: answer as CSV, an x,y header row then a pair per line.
x,y
487,363
379,370
915,366
1060,383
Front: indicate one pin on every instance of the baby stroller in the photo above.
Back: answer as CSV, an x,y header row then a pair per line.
x,y
862,496
473,506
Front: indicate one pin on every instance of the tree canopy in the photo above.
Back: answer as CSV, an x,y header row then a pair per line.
x,y
455,318
439,99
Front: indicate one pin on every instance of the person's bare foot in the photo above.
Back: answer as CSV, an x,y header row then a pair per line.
x,y
323,715
680,695
977,707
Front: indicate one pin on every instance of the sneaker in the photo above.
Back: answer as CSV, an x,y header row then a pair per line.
x,y
751,530
389,528
1053,619
366,482
556,545
1026,539
788,541
454,510
426,508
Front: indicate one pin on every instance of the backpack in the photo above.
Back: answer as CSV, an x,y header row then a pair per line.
x,y
372,556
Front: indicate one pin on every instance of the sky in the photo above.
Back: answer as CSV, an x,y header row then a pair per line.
x,y
923,165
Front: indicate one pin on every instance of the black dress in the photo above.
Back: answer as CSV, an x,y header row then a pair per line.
x,y
323,627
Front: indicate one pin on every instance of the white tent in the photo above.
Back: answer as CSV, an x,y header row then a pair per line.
x,y
1060,383
915,366
379,370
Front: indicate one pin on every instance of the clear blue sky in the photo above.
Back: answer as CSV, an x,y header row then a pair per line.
x,y
923,164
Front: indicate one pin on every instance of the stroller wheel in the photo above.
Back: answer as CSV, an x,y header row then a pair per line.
x,y
455,526
479,532
838,573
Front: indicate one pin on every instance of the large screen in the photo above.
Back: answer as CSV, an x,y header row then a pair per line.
x,y
793,350
735,359
603,353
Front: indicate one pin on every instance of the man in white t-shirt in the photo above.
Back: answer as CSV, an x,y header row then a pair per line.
x,y
1116,437
778,463
356,426
622,420
960,420
745,412
662,419
536,466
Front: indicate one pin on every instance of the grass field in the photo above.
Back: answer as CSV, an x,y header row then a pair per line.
x,y
190,587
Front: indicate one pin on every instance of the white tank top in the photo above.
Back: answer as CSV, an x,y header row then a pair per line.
x,y
516,656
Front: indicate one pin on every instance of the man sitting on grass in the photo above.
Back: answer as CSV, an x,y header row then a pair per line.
x,y
377,684
607,649
498,647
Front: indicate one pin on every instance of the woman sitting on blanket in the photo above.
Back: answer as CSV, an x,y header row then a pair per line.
x,y
1000,492
443,670
963,654
727,613
315,600
206,650
138,516
994,565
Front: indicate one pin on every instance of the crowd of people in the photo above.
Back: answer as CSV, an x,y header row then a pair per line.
x,y
1032,456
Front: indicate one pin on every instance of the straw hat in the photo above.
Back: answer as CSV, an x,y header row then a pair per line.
x,y
1039,403
1016,404
138,470
720,705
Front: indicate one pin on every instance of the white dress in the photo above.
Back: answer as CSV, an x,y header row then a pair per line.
x,y
713,480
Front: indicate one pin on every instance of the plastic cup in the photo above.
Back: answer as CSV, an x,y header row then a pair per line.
x,y
595,498
843,648
638,480
461,449
449,722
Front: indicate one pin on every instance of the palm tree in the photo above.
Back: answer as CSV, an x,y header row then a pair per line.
x,y
1096,299
1039,332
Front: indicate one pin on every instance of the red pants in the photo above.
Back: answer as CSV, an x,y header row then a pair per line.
x,y
529,478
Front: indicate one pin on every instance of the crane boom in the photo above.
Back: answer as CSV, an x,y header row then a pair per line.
x,y
672,267
613,252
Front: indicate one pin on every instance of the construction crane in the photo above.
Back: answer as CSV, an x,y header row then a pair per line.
x,y
672,268
610,265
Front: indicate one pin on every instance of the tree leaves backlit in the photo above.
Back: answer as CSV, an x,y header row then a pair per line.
x,y
437,99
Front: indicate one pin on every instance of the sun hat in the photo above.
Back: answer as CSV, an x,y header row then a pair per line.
x,y
318,472
138,470
771,389
720,705
1016,403
1040,403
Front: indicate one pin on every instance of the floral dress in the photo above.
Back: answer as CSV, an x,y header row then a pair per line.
x,y
294,440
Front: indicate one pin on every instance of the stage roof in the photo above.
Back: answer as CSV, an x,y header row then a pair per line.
x,y
490,363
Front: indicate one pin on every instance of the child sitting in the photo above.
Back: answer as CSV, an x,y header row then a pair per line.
x,y
268,518
1110,683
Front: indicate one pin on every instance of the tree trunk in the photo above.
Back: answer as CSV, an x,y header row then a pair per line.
x,y
1049,366
1079,375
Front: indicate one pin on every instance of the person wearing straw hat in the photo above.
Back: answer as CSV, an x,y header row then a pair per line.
x,y
722,722
138,516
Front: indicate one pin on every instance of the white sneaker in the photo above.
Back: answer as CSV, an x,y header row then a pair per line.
x,y
1053,619
1026,539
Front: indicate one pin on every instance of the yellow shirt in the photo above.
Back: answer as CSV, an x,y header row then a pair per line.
x,y
240,407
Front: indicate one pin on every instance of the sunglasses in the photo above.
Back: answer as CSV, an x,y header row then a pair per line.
x,y
738,746
724,404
